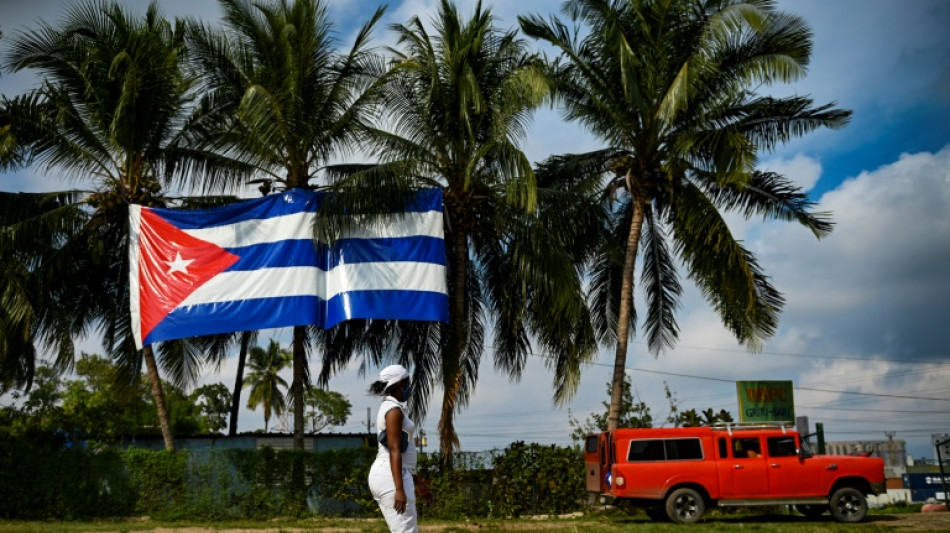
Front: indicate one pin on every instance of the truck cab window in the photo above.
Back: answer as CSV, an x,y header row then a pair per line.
x,y
746,448
781,446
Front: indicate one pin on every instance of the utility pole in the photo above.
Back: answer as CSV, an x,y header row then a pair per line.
x,y
368,430
891,459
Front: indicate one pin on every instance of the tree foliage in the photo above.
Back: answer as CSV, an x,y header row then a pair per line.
x,y
457,102
634,413
286,101
116,113
102,406
266,385
214,401
673,90
326,409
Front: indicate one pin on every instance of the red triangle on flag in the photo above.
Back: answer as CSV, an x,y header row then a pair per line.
x,y
172,265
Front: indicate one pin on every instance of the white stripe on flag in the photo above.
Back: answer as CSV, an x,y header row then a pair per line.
x,y
299,226
307,281
135,307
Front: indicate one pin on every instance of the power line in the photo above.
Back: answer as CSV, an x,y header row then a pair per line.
x,y
876,394
909,411
814,356
913,432
812,389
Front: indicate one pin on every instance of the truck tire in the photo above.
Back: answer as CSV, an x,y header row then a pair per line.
x,y
848,505
685,506
812,511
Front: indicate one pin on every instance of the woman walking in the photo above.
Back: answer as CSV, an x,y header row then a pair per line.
x,y
390,477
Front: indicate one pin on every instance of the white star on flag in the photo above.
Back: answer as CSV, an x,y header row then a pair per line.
x,y
179,264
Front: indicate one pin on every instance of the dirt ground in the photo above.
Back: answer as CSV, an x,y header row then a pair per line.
x,y
916,521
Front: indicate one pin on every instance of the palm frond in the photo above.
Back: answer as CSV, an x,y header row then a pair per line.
x,y
770,195
661,285
728,274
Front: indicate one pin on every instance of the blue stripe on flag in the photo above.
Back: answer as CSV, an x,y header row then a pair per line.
x,y
290,253
390,305
278,204
266,313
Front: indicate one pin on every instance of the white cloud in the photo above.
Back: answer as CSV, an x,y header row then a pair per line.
x,y
889,247
801,169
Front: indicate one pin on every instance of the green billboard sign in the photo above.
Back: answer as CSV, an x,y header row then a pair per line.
x,y
765,401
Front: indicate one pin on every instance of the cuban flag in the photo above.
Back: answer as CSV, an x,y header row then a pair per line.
x,y
255,265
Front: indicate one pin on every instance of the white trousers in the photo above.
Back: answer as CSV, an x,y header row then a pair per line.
x,y
384,492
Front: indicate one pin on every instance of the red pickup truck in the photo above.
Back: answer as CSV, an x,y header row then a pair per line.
x,y
677,473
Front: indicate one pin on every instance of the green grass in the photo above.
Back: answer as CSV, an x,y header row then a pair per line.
x,y
602,522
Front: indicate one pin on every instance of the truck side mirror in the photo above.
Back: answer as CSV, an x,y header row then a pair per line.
x,y
803,453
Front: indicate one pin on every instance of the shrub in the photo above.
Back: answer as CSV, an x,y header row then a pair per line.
x,y
40,478
535,479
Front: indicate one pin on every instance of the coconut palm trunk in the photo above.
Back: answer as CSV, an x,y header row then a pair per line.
x,y
239,382
159,397
297,386
452,360
626,307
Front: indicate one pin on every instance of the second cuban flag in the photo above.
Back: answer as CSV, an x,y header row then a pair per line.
x,y
255,265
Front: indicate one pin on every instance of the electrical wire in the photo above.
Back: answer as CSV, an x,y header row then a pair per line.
x,y
816,356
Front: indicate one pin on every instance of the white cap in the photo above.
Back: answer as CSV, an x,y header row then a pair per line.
x,y
393,374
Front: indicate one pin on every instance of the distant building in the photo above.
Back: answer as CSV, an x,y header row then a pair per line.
x,y
925,482
894,453
944,451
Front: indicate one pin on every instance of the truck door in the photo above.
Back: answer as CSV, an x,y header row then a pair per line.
x,y
592,462
597,462
789,474
743,473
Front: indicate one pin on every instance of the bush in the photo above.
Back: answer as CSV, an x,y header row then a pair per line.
x,y
522,479
535,479
291,483
454,494
40,478
259,484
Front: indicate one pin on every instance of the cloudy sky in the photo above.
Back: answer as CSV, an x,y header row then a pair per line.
x,y
865,333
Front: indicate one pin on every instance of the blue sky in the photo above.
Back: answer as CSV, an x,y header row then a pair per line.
x,y
867,307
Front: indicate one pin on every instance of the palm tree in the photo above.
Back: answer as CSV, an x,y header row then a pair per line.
x,y
288,103
116,114
245,340
672,88
458,102
265,381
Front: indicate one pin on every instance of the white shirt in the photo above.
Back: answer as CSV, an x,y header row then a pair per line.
x,y
408,456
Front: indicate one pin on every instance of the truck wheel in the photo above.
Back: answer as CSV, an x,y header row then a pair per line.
x,y
812,511
848,505
685,506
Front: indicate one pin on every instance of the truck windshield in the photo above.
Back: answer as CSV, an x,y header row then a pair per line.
x,y
805,449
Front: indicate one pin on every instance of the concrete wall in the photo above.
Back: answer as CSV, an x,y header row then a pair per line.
x,y
315,442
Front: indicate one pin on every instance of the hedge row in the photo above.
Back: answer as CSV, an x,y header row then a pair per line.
x,y
43,480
